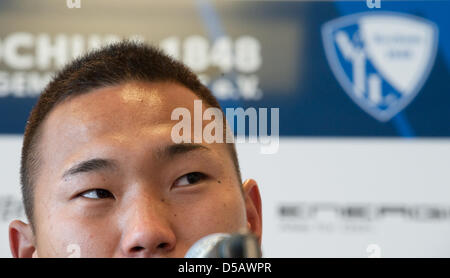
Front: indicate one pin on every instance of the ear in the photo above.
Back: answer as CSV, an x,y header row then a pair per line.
x,y
21,240
253,208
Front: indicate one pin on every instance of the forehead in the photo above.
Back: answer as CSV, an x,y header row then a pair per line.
x,y
123,106
111,115
127,106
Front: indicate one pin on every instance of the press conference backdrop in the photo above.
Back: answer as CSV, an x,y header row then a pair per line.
x,y
363,94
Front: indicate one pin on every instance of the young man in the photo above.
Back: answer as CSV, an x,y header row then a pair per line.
x,y
101,174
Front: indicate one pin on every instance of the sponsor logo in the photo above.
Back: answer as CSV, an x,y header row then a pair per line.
x,y
363,212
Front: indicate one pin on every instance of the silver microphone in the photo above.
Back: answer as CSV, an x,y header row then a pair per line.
x,y
239,245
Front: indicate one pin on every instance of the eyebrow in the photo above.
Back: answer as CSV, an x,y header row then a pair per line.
x,y
97,164
170,151
90,165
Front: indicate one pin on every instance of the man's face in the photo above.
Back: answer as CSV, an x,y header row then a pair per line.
x,y
113,182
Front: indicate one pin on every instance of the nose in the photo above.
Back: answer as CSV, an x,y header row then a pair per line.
x,y
147,231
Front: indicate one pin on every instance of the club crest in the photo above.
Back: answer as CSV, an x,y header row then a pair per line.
x,y
381,59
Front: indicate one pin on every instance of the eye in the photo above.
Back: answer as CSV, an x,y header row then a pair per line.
x,y
97,194
190,179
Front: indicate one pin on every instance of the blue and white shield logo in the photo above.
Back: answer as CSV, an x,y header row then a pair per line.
x,y
381,59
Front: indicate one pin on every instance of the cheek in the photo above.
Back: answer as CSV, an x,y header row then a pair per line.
x,y
61,228
62,236
217,211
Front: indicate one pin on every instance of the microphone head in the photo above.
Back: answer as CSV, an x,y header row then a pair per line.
x,y
206,246
240,245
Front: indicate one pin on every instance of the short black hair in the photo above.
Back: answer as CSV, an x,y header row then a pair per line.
x,y
115,64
